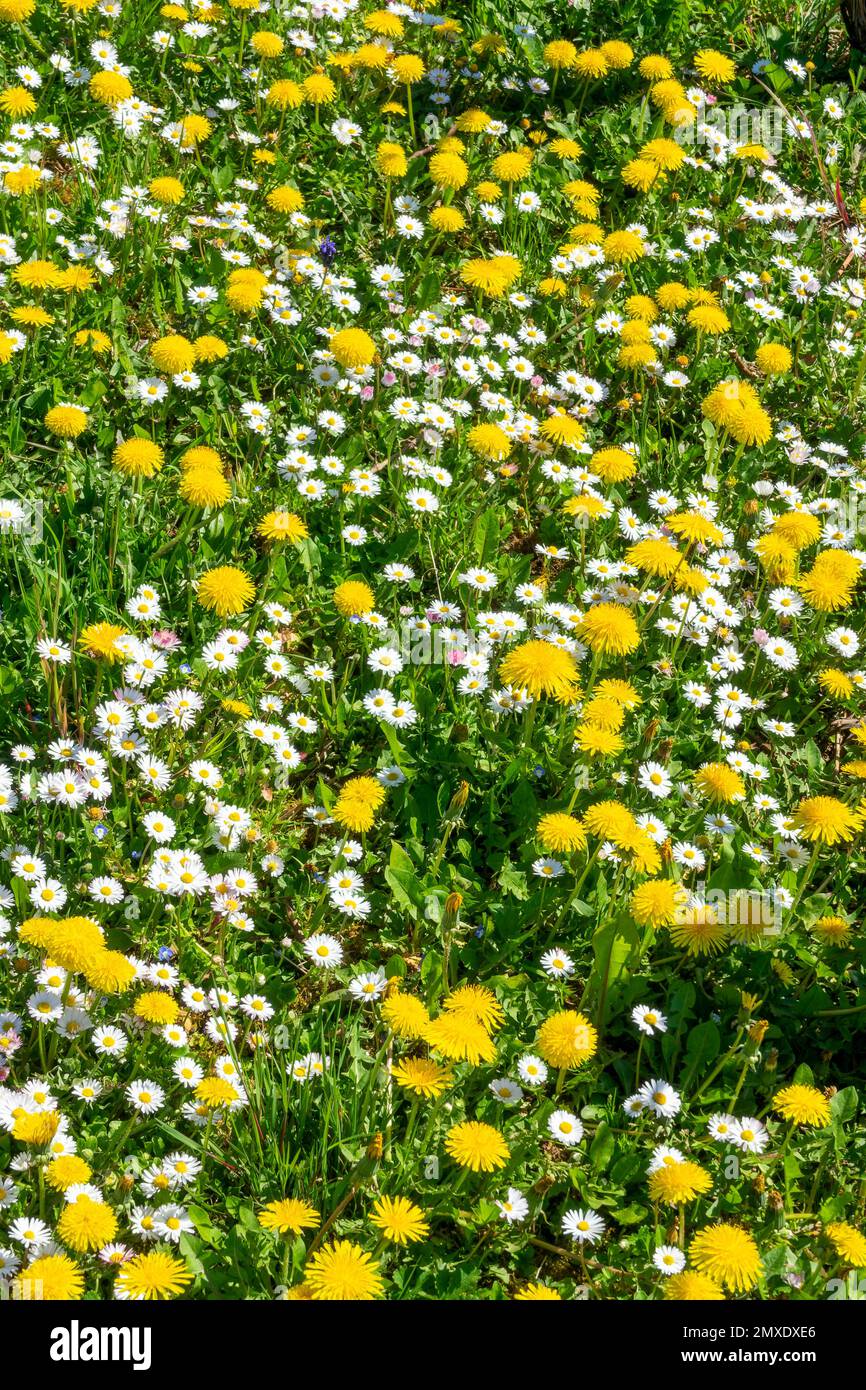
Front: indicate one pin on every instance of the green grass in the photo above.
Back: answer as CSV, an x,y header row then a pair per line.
x,y
447,862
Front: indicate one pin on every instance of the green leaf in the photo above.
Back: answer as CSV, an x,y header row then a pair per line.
x,y
813,757
402,878
702,1048
487,534
512,881
843,1106
834,1209
395,967
776,1261
616,948
602,1147
187,1249
10,680
202,1222
630,1216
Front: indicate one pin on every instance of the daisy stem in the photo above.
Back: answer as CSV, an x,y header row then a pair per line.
x,y
819,1172
428,1129
637,1062
125,1133
182,533
263,589
320,904
412,1120
810,869
742,1077
719,1065
781,1157
207,1135
411,112
530,724
859,381
441,848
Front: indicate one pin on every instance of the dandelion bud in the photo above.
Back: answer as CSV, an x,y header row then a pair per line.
x,y
453,904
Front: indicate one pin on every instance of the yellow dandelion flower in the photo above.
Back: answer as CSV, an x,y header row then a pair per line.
x,y
352,347
288,1215
343,1272
225,590
848,1243
282,526
567,1039
420,1075
399,1220
406,1016
50,1279
727,1254
715,67
657,903
542,669
353,598
560,832
803,1105
676,1183
698,931
138,458
825,820
460,1037
476,1146
86,1225
692,1287
66,421
609,628
155,1274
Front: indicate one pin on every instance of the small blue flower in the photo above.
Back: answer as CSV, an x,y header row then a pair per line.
x,y
165,953
100,831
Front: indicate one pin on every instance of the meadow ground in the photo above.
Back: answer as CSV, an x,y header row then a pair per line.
x,y
433,734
